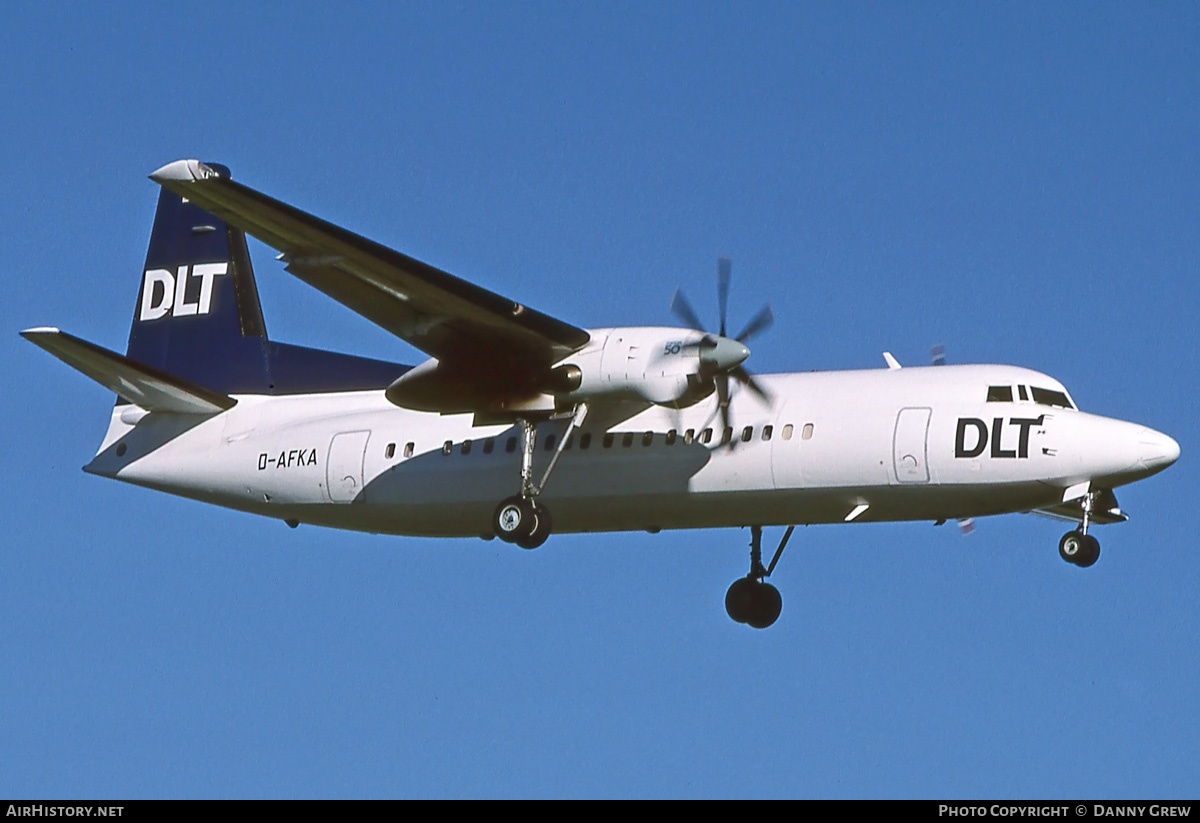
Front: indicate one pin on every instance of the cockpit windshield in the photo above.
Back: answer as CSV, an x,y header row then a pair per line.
x,y
1049,397
1043,397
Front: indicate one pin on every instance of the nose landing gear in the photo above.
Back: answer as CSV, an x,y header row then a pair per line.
x,y
751,600
1078,547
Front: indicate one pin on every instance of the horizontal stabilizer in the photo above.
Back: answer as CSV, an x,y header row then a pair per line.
x,y
149,388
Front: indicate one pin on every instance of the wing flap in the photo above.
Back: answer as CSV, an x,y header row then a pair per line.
x,y
149,388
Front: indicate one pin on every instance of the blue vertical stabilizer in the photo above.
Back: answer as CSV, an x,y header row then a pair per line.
x,y
197,314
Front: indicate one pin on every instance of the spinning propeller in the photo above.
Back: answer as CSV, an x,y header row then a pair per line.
x,y
721,357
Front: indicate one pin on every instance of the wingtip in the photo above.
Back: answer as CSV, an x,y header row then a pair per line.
x,y
184,171
38,331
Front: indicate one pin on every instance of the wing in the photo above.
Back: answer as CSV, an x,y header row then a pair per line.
x,y
484,343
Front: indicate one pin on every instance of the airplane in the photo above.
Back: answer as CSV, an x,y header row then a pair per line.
x,y
519,424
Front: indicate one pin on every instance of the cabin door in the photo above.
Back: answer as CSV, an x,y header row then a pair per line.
x,y
344,469
910,446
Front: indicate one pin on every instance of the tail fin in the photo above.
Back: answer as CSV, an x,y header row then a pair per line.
x,y
198,315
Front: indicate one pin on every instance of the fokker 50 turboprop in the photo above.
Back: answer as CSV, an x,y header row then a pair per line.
x,y
518,418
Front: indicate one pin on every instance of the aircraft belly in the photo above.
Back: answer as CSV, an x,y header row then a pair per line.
x,y
677,510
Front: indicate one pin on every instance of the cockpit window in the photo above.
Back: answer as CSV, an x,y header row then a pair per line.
x,y
999,394
1049,397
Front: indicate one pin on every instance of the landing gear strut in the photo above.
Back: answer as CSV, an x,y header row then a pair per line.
x,y
751,600
1078,547
521,519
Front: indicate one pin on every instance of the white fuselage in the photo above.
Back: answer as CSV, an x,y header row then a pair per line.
x,y
830,443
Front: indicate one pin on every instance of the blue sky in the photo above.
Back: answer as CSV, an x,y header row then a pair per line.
x,y
1017,181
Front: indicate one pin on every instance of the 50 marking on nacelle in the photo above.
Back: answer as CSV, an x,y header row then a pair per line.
x,y
983,436
172,299
288,459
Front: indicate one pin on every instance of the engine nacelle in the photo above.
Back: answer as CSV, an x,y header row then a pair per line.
x,y
660,365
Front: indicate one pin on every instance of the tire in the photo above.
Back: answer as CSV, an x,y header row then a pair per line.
x,y
1072,547
1091,552
542,526
514,519
765,606
739,599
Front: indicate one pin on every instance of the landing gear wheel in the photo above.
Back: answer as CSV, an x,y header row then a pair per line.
x,y
1091,552
739,598
1079,549
540,531
765,606
514,520
756,604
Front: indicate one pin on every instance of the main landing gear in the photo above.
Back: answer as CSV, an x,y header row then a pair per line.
x,y
1078,547
751,600
521,519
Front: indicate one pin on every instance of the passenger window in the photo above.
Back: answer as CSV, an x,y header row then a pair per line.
x,y
999,394
727,435
511,445
806,432
647,438
671,437
767,430
585,440
706,436
466,447
448,447
488,445
390,451
787,432
627,440
549,442
747,433
608,440
408,449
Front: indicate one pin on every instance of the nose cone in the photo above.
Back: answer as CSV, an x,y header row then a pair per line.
x,y
726,354
1115,452
1156,450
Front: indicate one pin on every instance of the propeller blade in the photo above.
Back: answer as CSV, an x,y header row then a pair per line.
x,y
760,323
722,381
683,310
723,266
747,379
